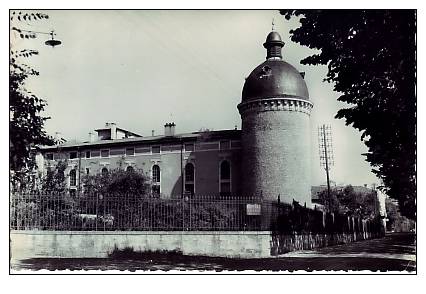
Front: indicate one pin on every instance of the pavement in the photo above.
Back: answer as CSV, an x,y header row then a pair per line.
x,y
392,246
394,253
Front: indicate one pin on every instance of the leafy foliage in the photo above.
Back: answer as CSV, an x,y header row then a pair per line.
x,y
116,182
24,16
26,122
331,202
371,60
396,222
55,179
348,201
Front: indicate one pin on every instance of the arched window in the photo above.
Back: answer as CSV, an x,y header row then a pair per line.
x,y
189,178
225,178
130,169
104,171
73,178
156,176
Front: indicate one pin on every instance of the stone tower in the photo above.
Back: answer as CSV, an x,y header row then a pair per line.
x,y
275,111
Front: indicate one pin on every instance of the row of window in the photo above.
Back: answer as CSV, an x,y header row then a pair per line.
x,y
104,171
189,176
106,152
130,151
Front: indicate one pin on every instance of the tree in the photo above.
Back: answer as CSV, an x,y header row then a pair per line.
x,y
26,122
55,179
116,181
371,59
347,200
363,202
396,222
331,202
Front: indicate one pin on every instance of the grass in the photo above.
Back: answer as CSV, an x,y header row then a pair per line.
x,y
130,253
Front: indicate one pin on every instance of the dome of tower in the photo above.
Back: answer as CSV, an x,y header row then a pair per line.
x,y
274,77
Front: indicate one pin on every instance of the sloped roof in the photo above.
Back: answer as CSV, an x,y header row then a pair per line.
x,y
185,137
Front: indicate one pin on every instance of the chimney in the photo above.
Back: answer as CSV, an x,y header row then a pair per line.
x,y
152,133
91,137
113,127
169,129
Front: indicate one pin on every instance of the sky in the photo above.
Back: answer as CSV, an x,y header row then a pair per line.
x,y
141,69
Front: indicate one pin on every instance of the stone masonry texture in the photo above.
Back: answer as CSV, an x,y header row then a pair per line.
x,y
276,155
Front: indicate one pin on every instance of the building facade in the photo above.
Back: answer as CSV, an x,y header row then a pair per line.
x,y
269,157
204,163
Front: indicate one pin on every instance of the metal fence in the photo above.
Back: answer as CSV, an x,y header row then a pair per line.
x,y
63,212
130,212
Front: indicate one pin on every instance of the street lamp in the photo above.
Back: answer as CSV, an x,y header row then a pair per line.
x,y
51,42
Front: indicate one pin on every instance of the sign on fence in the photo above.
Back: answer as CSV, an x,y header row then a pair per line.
x,y
253,209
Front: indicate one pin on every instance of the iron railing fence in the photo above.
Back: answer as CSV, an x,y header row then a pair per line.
x,y
126,212
130,212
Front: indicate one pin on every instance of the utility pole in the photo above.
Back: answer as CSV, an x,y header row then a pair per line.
x,y
326,154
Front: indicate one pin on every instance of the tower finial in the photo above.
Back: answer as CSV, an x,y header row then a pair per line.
x,y
273,45
273,24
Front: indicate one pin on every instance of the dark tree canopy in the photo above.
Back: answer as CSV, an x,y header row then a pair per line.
x,y
396,222
26,125
55,179
116,182
348,201
371,59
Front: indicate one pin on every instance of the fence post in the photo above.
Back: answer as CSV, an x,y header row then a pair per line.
x,y
183,213
104,208
190,219
16,212
96,219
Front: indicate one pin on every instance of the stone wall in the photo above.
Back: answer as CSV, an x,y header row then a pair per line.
x,y
90,244
73,244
